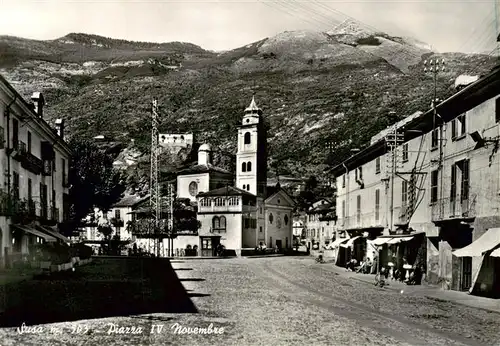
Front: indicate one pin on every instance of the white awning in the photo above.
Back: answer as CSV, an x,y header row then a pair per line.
x,y
381,241
350,242
48,238
51,231
495,253
486,242
337,242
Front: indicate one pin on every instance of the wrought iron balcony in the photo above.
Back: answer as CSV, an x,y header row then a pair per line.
x,y
448,209
54,214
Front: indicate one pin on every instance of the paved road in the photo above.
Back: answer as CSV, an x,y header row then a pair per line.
x,y
284,301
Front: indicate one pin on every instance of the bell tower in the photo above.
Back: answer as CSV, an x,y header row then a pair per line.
x,y
251,157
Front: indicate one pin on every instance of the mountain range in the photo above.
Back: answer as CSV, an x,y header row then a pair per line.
x,y
322,93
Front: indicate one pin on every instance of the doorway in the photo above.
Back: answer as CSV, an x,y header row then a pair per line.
x,y
466,273
209,246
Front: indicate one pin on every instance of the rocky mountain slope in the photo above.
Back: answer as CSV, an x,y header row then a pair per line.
x,y
319,91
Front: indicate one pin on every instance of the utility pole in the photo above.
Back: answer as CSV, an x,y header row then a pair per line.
x,y
394,139
154,187
434,67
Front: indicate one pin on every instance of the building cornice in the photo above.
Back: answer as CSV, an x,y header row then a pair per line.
x,y
464,100
42,124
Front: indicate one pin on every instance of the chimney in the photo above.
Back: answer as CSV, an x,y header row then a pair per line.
x,y
60,127
39,102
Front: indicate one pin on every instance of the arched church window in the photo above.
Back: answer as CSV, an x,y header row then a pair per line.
x,y
249,166
193,188
247,138
271,217
286,219
244,167
248,187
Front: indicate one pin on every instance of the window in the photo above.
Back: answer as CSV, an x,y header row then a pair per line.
x,y
404,193
15,133
193,188
63,165
343,180
435,138
405,152
244,167
219,224
117,214
249,166
377,205
29,142
260,229
247,138
15,185
246,223
286,220
248,187
434,186
271,218
464,184
377,165
343,209
30,189
453,187
358,209
497,110
53,199
458,127
359,173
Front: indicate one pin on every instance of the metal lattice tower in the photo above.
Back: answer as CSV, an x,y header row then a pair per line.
x,y
155,243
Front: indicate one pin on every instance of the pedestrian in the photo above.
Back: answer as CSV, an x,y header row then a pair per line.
x,y
375,265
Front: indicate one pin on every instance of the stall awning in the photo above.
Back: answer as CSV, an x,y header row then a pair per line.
x,y
350,242
54,233
495,253
26,229
486,242
337,242
399,240
381,241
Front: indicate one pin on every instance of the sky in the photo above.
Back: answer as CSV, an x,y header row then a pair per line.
x,y
446,25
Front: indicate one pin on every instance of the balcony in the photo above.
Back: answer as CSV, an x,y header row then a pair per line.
x,y
446,209
28,161
54,214
18,150
362,221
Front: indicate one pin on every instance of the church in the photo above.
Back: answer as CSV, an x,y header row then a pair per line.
x,y
245,215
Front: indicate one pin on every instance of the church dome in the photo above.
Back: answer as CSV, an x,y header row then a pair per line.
x,y
205,147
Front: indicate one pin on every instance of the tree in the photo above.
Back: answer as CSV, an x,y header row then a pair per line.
x,y
93,180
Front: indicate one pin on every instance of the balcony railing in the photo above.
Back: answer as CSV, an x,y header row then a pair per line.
x,y
366,220
447,209
28,160
54,214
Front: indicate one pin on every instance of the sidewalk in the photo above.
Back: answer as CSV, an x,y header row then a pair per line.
x,y
429,291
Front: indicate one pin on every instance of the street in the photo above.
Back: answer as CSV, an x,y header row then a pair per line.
x,y
278,301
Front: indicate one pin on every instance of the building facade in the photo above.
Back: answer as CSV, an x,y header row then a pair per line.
x,y
320,229
35,183
202,177
435,174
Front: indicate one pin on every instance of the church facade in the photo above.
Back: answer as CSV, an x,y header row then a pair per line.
x,y
247,213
